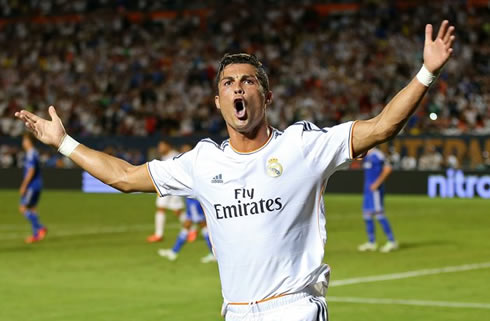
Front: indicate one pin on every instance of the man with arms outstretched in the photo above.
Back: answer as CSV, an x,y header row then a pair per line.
x,y
262,189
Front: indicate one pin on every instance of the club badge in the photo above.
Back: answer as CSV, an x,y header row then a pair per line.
x,y
274,168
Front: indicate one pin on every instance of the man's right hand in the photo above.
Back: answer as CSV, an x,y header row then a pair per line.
x,y
50,132
22,190
110,170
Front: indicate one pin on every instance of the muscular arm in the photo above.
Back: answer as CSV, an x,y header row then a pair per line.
x,y
110,170
369,133
113,171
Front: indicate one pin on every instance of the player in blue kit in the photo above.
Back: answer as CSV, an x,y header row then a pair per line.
x,y
376,170
30,189
194,215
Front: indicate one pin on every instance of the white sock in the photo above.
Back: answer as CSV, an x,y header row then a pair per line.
x,y
159,223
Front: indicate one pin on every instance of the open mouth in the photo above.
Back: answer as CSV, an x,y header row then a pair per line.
x,y
240,110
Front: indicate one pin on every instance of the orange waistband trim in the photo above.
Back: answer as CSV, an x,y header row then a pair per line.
x,y
261,301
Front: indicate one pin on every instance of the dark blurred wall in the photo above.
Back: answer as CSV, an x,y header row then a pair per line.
x,y
449,183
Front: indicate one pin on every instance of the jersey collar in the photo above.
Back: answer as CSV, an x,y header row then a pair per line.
x,y
270,130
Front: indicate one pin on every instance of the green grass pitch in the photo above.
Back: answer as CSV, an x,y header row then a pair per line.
x,y
95,264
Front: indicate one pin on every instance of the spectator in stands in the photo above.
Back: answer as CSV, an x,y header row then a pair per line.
x,y
431,159
452,161
109,82
408,163
109,75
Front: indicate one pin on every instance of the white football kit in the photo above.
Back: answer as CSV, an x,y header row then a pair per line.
x,y
171,202
264,210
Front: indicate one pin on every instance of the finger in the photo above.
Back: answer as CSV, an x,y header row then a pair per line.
x,y
20,115
52,113
428,33
442,29
30,118
32,128
449,44
29,126
451,40
30,115
449,34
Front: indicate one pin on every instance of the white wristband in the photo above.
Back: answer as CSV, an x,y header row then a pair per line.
x,y
425,77
67,146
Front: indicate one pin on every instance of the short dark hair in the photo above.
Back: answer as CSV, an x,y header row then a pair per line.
x,y
243,58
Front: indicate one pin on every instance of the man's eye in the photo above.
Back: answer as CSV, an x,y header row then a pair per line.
x,y
227,83
249,81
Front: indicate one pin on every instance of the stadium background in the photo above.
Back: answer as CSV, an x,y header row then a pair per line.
x,y
124,74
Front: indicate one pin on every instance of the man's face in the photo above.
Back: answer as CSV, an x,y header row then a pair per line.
x,y
26,143
241,98
163,148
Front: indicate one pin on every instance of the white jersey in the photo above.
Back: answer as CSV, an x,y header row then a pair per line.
x,y
264,209
174,203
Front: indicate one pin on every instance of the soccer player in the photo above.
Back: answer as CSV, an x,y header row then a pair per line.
x,y
165,204
30,189
261,189
194,215
376,170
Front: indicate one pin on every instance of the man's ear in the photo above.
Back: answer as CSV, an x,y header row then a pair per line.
x,y
216,102
268,98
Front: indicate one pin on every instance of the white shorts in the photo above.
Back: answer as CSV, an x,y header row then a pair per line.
x,y
294,307
171,202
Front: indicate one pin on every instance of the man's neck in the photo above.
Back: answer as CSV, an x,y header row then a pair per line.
x,y
249,142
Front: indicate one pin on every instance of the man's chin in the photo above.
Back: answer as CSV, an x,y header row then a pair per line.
x,y
247,129
240,127
243,129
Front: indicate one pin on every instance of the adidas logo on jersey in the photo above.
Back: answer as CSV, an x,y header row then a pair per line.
x,y
218,179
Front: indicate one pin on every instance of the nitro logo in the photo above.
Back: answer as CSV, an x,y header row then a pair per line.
x,y
457,184
246,205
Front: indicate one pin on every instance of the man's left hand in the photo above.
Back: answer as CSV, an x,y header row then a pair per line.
x,y
438,51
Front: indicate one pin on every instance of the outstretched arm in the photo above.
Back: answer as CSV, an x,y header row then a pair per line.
x,y
110,170
369,133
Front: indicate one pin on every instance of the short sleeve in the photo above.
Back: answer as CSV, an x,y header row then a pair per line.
x,y
385,161
30,161
327,149
381,159
173,176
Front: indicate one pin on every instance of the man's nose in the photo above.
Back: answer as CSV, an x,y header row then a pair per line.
x,y
238,90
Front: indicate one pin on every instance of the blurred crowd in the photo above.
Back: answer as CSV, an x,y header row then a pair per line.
x,y
432,159
109,73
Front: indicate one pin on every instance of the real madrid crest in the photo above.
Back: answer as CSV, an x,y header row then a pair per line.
x,y
274,168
